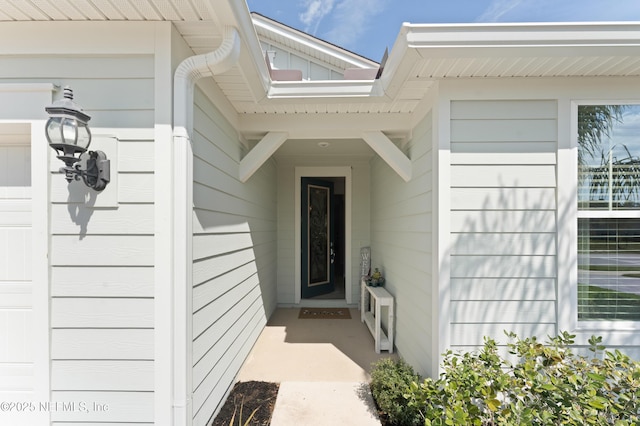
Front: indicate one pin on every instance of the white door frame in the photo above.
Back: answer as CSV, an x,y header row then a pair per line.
x,y
344,172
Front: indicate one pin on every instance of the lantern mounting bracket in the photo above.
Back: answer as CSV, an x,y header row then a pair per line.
x,y
92,167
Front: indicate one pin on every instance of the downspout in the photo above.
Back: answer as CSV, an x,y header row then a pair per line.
x,y
187,74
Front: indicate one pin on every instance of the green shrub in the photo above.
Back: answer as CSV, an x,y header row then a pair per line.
x,y
548,384
390,381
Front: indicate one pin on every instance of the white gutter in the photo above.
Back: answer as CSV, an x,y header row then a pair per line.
x,y
187,74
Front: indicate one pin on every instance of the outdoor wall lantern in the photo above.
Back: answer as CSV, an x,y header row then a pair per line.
x,y
69,135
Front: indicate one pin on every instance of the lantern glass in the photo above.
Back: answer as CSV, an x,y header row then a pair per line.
x,y
53,131
69,131
84,135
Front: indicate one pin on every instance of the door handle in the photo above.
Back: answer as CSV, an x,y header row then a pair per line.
x,y
333,252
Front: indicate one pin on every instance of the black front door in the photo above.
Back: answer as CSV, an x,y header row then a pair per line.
x,y
317,237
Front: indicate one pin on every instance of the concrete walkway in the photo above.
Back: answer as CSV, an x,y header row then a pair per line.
x,y
322,366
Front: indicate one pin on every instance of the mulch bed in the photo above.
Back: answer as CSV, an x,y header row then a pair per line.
x,y
248,396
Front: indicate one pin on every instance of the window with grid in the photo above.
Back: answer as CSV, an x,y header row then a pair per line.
x,y
609,212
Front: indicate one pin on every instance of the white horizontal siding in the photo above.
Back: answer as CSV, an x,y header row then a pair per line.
x,y
498,157
119,221
498,151
111,250
79,312
219,286
503,199
105,344
133,156
225,338
107,424
99,375
504,130
497,109
518,175
134,188
503,272
210,392
215,266
401,245
514,266
102,281
473,334
503,221
504,244
102,407
503,312
101,259
502,288
102,309
234,248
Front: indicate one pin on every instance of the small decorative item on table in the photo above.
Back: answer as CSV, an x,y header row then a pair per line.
x,y
365,263
376,279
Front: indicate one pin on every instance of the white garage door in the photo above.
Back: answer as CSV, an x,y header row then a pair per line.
x,y
16,327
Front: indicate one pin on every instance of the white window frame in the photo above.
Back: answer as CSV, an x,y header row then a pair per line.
x,y
568,236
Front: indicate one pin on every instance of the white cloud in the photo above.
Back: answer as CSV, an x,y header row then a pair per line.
x,y
497,9
560,11
315,10
352,18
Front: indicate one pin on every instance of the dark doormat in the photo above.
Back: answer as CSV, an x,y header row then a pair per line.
x,y
324,313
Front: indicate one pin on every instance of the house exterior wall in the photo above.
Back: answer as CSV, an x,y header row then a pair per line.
x,y
503,219
401,243
287,209
508,210
108,270
100,247
99,285
282,58
234,256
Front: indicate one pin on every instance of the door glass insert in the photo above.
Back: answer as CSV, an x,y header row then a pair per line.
x,y
318,239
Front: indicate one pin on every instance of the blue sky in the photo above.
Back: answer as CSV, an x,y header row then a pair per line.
x,y
367,27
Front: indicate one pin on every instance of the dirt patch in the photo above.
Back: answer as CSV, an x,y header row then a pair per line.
x,y
245,397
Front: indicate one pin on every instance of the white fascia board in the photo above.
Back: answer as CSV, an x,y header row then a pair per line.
x,y
251,60
302,39
522,35
324,126
401,63
325,89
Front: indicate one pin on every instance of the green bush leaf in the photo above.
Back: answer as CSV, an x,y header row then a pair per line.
x,y
493,404
547,385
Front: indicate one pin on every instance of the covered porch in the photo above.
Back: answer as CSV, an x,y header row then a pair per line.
x,y
321,365
311,350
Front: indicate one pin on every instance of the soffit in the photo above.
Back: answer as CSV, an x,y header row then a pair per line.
x,y
425,54
196,20
106,10
422,55
525,50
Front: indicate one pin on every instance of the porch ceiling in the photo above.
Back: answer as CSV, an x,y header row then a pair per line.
x,y
317,149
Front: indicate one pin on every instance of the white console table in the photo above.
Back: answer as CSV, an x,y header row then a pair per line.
x,y
372,300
